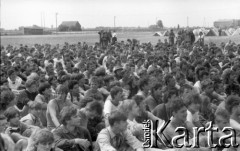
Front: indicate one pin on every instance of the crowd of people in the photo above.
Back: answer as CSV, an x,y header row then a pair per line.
x,y
79,97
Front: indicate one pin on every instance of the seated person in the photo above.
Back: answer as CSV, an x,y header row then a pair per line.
x,y
41,140
93,121
14,82
117,136
27,95
17,130
111,105
94,88
193,103
70,136
43,97
233,107
163,111
33,117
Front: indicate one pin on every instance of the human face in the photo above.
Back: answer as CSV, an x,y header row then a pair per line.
x,y
194,107
34,87
13,76
75,90
15,120
3,125
221,122
181,114
94,85
44,147
75,120
122,126
135,109
48,92
209,89
119,96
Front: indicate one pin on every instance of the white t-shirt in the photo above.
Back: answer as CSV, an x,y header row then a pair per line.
x,y
197,86
109,107
192,117
14,85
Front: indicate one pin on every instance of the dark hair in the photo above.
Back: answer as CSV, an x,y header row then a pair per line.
x,y
6,97
167,78
116,116
62,89
232,87
51,78
2,117
193,98
71,84
156,86
138,99
64,78
180,75
231,102
95,106
168,94
77,76
143,82
10,72
114,91
85,101
66,113
176,105
43,87
11,112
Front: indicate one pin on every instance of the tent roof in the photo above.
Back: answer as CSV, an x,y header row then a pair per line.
x,y
237,32
211,33
69,23
157,34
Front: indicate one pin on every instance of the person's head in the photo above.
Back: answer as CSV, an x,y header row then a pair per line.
x,y
180,77
31,85
35,108
94,83
117,93
62,91
45,89
13,116
233,105
233,89
118,121
129,108
157,90
73,87
139,99
179,110
94,109
3,123
170,95
6,100
69,117
42,139
52,80
207,86
222,118
193,102
169,80
144,84
12,75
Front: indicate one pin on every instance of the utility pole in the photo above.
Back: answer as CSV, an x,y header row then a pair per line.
x,y
43,19
56,22
114,22
187,21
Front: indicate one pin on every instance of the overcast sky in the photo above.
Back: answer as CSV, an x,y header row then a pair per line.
x,y
130,13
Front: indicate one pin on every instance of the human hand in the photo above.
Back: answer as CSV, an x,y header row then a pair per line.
x,y
82,142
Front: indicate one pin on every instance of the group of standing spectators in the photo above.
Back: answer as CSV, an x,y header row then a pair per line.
x,y
77,97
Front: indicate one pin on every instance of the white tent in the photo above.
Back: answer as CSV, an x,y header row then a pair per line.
x,y
231,30
166,33
157,34
211,32
226,33
236,32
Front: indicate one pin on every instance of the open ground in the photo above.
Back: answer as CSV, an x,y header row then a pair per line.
x,y
92,37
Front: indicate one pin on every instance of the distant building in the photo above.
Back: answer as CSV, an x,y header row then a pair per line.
x,y
227,23
32,30
70,26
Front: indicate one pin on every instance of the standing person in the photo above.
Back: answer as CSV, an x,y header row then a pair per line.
x,y
171,37
201,39
101,37
114,37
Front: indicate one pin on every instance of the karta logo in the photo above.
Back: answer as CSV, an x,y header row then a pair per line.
x,y
153,133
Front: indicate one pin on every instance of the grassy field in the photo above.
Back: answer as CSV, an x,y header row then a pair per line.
x,y
91,38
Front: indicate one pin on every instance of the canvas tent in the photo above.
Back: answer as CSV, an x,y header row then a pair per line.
x,y
211,33
231,30
157,34
225,33
166,33
236,32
